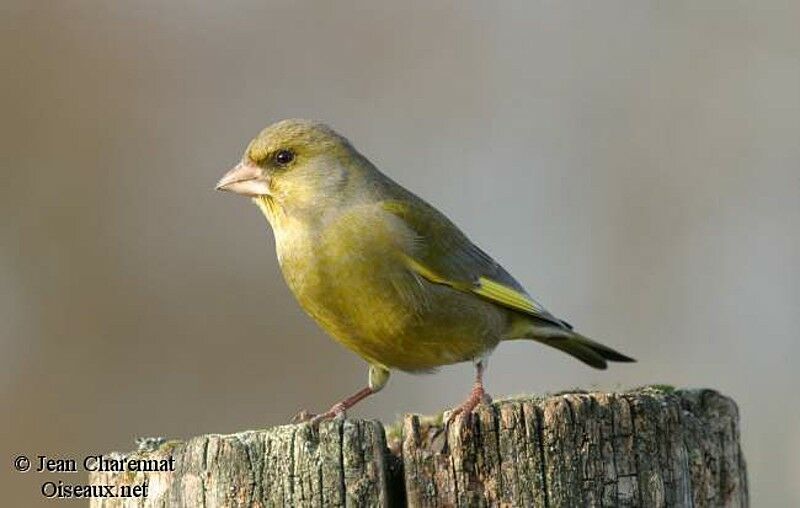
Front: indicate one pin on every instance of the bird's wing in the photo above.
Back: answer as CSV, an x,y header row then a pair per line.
x,y
442,254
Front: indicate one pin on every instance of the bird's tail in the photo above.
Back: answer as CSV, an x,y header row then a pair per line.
x,y
584,349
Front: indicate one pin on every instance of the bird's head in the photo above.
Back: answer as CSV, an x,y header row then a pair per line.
x,y
297,164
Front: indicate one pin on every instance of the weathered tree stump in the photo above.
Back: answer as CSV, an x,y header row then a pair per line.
x,y
649,447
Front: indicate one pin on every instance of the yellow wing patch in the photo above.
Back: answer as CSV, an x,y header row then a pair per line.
x,y
507,296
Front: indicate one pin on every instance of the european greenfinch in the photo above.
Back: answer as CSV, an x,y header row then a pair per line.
x,y
382,271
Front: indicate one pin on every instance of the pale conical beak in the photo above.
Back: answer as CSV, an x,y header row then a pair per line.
x,y
245,179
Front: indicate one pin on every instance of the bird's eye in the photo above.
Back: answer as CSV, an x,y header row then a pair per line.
x,y
284,157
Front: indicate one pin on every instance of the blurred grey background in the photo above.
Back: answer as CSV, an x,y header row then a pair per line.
x,y
635,164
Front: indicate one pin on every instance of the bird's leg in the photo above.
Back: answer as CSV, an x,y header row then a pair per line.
x,y
378,377
342,406
476,396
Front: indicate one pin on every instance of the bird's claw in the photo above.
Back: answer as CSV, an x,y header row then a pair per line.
x,y
302,416
453,415
465,410
336,411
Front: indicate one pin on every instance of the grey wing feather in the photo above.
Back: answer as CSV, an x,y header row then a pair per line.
x,y
444,249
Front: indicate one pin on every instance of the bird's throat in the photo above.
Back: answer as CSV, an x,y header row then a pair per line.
x,y
269,207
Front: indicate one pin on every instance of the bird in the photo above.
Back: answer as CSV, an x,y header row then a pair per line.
x,y
383,272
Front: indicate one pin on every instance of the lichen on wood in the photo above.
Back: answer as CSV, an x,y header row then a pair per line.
x,y
342,463
648,447
643,448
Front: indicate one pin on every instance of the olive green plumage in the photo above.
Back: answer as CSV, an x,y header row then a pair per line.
x,y
382,271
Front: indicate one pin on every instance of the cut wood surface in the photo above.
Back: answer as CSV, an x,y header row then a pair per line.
x,y
648,447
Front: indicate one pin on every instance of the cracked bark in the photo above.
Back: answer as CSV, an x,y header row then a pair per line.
x,y
647,447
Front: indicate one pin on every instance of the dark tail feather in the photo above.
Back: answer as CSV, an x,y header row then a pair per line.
x,y
586,350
